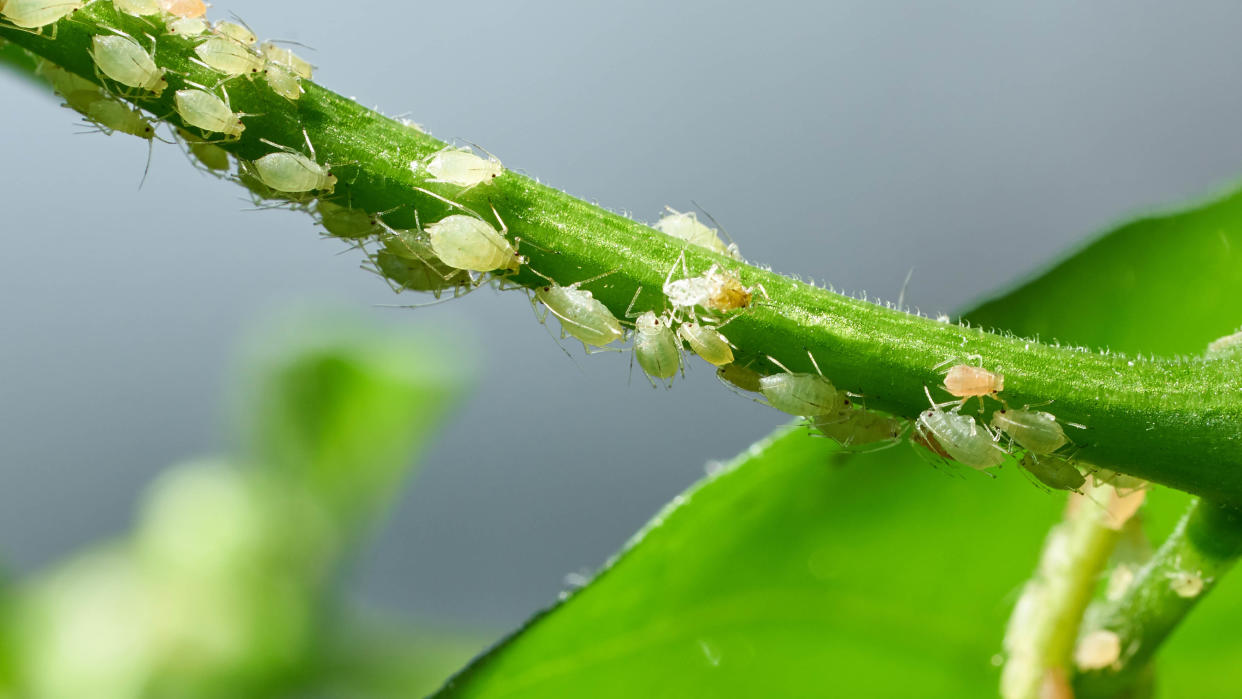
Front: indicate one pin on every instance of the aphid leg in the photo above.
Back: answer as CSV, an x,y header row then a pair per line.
x,y
629,310
813,362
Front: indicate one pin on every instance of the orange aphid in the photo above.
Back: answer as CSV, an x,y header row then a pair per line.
x,y
184,8
725,292
966,382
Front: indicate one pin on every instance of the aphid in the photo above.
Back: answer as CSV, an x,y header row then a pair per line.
x,y
1227,346
716,289
655,346
687,227
208,112
468,242
959,437
1097,650
1118,582
123,60
345,222
742,377
236,32
460,166
1186,584
1056,472
187,26
706,342
79,93
210,156
229,57
853,427
35,14
114,115
582,315
283,82
284,57
1036,431
290,172
808,395
138,8
184,8
411,264
81,101
966,382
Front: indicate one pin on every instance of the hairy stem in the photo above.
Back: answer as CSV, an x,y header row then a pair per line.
x,y
1174,422
1202,548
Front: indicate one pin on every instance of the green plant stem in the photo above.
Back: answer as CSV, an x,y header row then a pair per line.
x,y
1044,627
1175,422
1206,542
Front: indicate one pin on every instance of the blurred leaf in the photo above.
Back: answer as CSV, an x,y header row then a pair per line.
x,y
877,576
341,407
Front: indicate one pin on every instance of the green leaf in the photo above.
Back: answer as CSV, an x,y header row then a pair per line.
x,y
342,407
796,572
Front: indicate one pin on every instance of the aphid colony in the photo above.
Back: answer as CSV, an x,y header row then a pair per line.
x,y
464,249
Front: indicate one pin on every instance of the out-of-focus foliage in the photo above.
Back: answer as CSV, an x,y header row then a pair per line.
x,y
803,572
224,588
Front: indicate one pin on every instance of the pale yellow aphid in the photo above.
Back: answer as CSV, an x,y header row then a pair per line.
x,y
283,81
208,112
138,8
284,57
1036,431
184,8
966,382
81,101
1225,347
229,57
807,395
1097,650
410,263
742,377
854,427
187,26
459,166
125,61
210,156
294,173
64,82
706,342
346,222
236,32
959,438
582,315
1186,584
655,346
686,226
470,243
114,115
35,14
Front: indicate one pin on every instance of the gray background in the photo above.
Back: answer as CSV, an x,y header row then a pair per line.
x,y
848,142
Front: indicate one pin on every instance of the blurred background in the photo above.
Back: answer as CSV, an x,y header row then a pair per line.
x,y
849,142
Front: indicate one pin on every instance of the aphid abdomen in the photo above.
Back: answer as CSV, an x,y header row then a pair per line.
x,y
1037,432
961,438
582,316
808,395
123,60
229,57
287,59
462,168
687,227
207,112
1056,472
707,343
138,8
852,427
283,82
655,346
293,173
33,14
965,381
344,222
418,274
465,242
184,8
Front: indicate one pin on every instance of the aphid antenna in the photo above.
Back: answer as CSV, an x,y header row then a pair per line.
x,y
777,363
813,362
901,296
732,243
291,42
